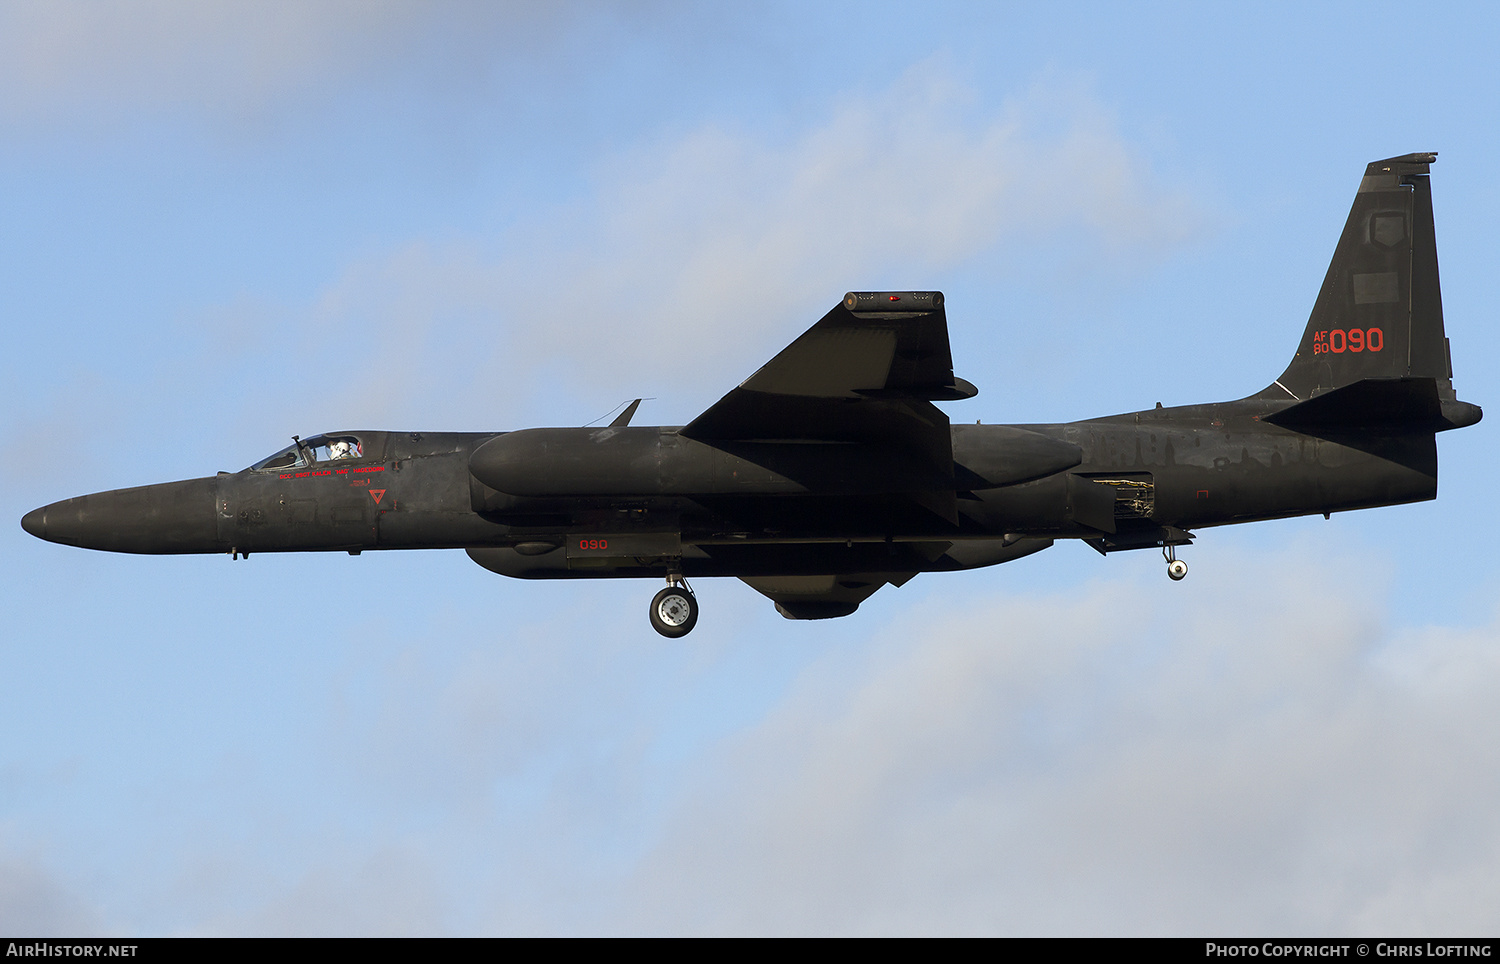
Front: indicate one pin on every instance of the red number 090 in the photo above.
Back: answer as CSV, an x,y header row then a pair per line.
x,y
593,543
1339,340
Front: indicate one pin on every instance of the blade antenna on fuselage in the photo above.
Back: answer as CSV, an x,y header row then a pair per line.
x,y
623,419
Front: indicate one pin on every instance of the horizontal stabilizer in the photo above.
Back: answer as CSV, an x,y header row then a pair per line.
x,y
1409,403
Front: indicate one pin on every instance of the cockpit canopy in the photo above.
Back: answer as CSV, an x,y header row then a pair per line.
x,y
322,448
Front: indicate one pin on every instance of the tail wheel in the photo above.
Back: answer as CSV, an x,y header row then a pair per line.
x,y
674,612
1176,570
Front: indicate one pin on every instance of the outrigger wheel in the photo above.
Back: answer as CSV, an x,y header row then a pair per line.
x,y
1176,568
674,610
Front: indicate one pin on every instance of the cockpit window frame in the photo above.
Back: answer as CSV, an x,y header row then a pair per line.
x,y
304,453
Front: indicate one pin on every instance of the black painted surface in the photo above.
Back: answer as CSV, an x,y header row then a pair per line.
x,y
829,472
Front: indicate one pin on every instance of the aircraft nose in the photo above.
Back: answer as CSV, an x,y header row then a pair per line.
x,y
168,518
35,522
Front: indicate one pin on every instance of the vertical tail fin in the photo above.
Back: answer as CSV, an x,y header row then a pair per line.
x,y
1380,311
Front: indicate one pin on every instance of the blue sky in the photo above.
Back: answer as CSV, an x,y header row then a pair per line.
x,y
227,224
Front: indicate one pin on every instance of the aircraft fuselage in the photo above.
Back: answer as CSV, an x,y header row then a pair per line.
x,y
1135,474
829,472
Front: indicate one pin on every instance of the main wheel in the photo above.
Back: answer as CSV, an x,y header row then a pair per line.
x,y
1176,570
674,612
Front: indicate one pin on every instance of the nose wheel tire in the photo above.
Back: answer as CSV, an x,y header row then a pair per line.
x,y
1176,570
674,612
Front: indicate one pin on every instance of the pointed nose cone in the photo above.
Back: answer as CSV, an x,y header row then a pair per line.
x,y
35,522
169,518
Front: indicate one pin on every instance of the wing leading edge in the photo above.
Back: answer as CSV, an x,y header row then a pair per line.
x,y
867,374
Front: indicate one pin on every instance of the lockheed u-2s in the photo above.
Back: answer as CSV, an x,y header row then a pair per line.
x,y
830,472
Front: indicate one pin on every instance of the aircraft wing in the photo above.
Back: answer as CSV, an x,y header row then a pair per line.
x,y
867,374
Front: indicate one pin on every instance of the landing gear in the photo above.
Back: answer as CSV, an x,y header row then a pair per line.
x,y
674,610
1176,568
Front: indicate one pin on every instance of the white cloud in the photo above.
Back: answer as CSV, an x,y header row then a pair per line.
x,y
1262,759
174,52
34,903
1256,750
694,257
72,60
389,893
685,263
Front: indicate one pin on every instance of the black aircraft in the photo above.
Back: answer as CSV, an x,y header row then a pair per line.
x,y
830,472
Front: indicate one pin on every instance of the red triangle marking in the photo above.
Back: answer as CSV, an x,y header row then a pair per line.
x,y
377,495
